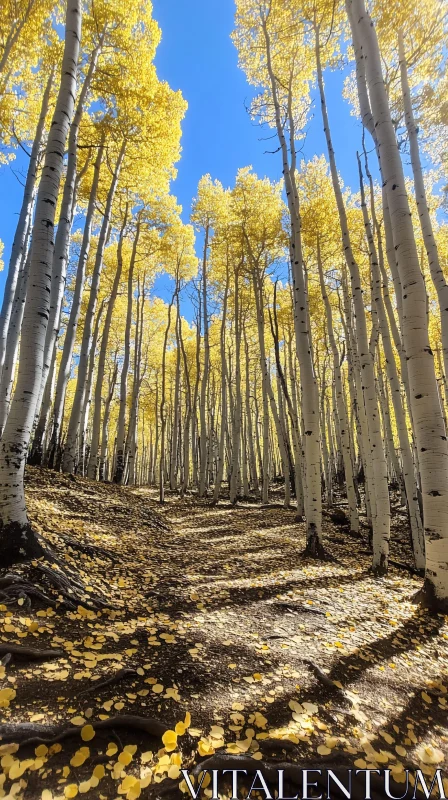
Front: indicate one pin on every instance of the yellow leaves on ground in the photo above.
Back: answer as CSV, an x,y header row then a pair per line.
x,y
80,757
6,695
87,733
169,739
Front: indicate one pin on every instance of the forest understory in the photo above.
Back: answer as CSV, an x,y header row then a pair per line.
x,y
216,629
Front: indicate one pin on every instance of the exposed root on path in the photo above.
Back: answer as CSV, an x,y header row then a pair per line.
x,y
26,733
29,653
20,544
119,676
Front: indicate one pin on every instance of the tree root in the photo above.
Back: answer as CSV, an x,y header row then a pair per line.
x,y
19,589
297,608
22,543
29,653
92,550
25,733
119,676
324,679
407,567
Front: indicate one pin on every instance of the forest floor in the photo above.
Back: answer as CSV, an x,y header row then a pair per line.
x,y
224,621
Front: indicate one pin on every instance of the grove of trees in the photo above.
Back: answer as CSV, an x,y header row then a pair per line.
x,y
315,349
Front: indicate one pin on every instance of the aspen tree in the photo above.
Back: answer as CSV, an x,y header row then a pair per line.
x,y
16,537
18,252
425,403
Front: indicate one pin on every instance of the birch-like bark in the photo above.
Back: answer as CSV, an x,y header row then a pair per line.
x,y
435,267
18,252
14,536
119,468
381,519
61,248
249,426
75,310
394,382
162,405
194,418
205,375
12,344
237,411
426,412
187,420
176,403
222,434
340,403
310,394
69,457
92,467
105,424
132,437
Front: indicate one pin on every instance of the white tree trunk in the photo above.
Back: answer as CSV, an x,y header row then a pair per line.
x,y
75,310
93,464
12,344
435,267
18,252
205,374
310,394
341,405
119,468
425,402
15,536
381,519
61,246
69,457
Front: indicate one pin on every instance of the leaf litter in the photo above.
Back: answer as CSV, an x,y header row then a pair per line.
x,y
197,634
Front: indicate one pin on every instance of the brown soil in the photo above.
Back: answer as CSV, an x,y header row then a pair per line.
x,y
214,608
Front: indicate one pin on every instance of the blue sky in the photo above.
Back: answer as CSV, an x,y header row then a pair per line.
x,y
197,56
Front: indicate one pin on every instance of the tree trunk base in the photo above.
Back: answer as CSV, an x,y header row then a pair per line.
x,y
315,549
427,599
19,543
381,569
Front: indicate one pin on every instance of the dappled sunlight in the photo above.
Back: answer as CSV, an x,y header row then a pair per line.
x,y
241,650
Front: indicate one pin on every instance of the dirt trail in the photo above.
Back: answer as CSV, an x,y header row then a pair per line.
x,y
220,615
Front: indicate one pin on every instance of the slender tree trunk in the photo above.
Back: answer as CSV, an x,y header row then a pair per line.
x,y
205,375
12,343
222,434
425,402
236,417
119,469
162,405
340,404
394,382
60,254
69,457
310,395
75,310
18,252
381,520
105,425
250,435
16,538
92,468
176,410
435,267
187,421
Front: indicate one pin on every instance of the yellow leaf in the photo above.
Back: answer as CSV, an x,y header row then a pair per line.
x,y
87,733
